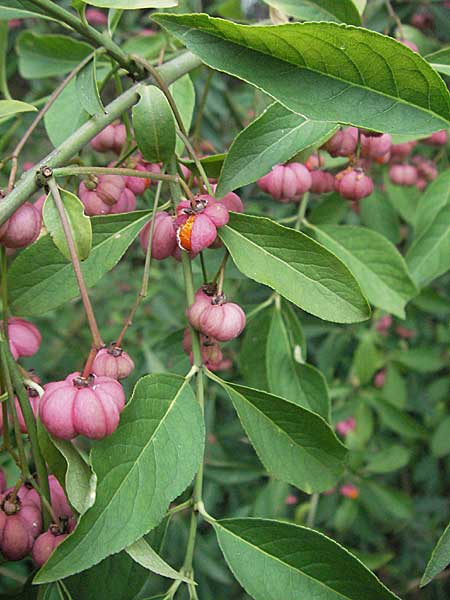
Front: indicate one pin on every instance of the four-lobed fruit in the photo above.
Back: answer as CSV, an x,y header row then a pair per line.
x,y
24,337
353,184
22,228
403,174
82,406
214,317
112,362
112,138
286,183
20,523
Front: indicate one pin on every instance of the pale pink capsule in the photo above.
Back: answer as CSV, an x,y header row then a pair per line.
x,y
343,142
383,324
346,426
375,147
104,141
16,540
126,203
22,228
401,151
410,45
439,138
137,185
164,240
222,322
112,362
216,211
59,502
349,491
96,17
44,546
353,184
379,378
24,337
322,182
233,202
201,302
403,174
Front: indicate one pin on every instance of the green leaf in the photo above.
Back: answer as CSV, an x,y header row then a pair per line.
x,y
48,55
422,359
389,459
295,331
439,559
440,60
375,262
65,116
252,356
440,442
339,11
150,459
324,71
271,559
297,267
142,553
398,420
132,4
271,500
11,107
367,359
115,578
154,125
87,89
211,164
378,214
302,384
385,504
429,255
183,93
274,137
80,224
20,9
432,200
294,444
41,279
394,390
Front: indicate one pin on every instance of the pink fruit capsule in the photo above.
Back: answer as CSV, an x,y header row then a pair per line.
x,y
286,182
24,337
375,147
45,544
403,174
322,182
401,151
201,302
196,233
112,362
164,240
22,228
126,203
379,378
353,184
439,138
222,322
349,491
343,142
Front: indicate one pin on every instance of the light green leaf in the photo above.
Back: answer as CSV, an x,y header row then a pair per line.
x,y
387,505
252,356
150,459
302,384
377,265
11,107
48,55
429,255
294,444
398,420
272,559
378,214
80,225
132,4
274,137
87,89
142,553
434,198
20,9
439,559
367,359
339,11
154,125
271,500
403,199
41,279
422,359
183,93
440,60
65,116
297,267
440,441
389,459
324,71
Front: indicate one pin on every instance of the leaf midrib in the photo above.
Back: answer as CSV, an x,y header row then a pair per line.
x,y
313,281
306,449
297,570
326,75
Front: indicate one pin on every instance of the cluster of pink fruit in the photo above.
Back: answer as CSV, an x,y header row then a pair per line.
x,y
217,321
88,406
21,521
193,228
288,182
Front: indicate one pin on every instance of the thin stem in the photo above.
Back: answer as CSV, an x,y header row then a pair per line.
x,y
30,423
396,18
146,277
88,364
261,307
312,510
302,211
99,39
126,117
27,185
201,107
75,170
204,269
96,337
179,508
221,269
18,149
196,160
